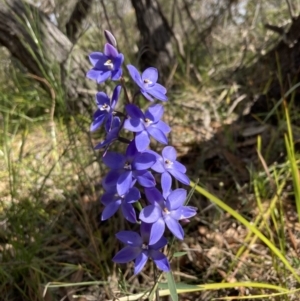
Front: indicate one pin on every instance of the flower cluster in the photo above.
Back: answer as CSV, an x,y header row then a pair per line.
x,y
130,181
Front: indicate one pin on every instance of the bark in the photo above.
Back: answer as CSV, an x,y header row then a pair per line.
x,y
40,46
283,61
155,48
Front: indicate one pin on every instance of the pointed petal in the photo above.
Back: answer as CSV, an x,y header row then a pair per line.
x,y
145,230
157,231
159,245
184,212
166,183
110,51
156,94
160,260
110,180
157,134
159,166
142,140
116,74
180,167
174,227
114,160
101,99
124,182
130,238
94,57
116,95
143,161
144,178
176,199
155,112
146,95
158,87
133,195
135,75
108,197
140,262
134,112
150,214
129,212
153,195
133,125
110,210
162,126
181,177
127,254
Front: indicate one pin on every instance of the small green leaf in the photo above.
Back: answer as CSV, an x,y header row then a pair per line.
x,y
172,286
179,254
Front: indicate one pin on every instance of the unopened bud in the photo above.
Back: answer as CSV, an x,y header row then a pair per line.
x,y
110,38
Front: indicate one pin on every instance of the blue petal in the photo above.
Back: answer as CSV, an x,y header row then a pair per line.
x,y
92,74
101,99
181,177
110,210
135,75
158,95
153,195
129,212
102,77
127,254
159,166
144,178
180,167
133,125
160,260
176,199
140,262
155,112
124,182
169,153
114,160
109,182
159,245
162,126
147,96
107,197
150,74
150,214
118,61
157,231
131,151
116,74
142,141
116,95
160,88
166,183
143,161
157,134
134,112
174,227
133,195
130,238
94,57
110,51
184,212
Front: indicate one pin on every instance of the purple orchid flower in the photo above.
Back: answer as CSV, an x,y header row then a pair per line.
x,y
105,108
112,200
148,83
146,125
167,166
106,64
167,212
139,249
129,167
112,133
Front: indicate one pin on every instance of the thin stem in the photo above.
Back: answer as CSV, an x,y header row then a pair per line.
x,y
125,90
